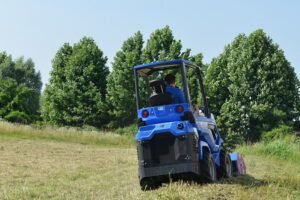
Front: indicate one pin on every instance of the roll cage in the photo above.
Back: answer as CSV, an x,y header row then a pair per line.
x,y
147,69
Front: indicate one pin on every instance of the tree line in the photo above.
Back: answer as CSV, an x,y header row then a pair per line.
x,y
251,86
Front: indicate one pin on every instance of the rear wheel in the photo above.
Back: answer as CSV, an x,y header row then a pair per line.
x,y
225,169
208,168
149,184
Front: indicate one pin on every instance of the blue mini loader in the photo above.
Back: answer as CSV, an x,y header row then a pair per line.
x,y
177,141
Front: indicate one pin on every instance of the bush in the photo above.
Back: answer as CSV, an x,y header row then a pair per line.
x,y
287,148
18,117
278,148
128,130
231,141
277,133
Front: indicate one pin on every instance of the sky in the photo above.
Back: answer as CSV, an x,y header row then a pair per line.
x,y
37,29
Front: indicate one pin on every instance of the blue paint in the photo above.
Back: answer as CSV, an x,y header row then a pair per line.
x,y
165,118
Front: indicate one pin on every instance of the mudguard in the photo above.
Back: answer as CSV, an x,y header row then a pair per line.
x,y
202,145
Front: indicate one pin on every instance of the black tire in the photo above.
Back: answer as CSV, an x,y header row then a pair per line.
x,y
208,173
149,184
225,169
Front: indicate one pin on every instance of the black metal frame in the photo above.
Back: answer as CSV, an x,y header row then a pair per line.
x,y
185,87
202,89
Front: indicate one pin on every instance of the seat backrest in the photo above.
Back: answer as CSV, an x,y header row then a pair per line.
x,y
159,86
161,97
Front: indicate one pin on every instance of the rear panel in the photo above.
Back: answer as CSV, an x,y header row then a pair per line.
x,y
167,150
165,113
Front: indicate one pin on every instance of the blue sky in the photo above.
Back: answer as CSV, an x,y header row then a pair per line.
x,y
37,29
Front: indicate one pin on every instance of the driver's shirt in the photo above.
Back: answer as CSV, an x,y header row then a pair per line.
x,y
176,93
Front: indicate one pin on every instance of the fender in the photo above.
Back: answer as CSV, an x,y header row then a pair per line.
x,y
202,145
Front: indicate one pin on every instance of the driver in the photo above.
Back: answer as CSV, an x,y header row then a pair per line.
x,y
175,92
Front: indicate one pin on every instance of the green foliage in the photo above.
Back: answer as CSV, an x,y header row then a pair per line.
x,y
161,46
285,147
277,133
252,87
54,95
20,89
193,79
121,92
128,130
279,148
121,86
18,117
76,93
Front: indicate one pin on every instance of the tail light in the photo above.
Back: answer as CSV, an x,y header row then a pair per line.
x,y
179,109
145,113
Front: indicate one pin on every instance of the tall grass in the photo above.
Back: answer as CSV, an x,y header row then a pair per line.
x,y
284,148
128,130
279,142
63,134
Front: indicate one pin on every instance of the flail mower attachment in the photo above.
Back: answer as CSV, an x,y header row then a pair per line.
x,y
238,164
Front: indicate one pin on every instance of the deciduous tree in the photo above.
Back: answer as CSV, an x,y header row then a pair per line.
x,y
121,86
20,87
252,87
76,93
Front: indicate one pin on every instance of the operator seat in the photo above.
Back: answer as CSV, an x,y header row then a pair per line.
x,y
160,96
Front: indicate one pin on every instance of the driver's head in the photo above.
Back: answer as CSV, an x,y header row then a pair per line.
x,y
170,79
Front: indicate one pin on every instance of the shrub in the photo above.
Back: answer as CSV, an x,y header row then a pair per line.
x,y
128,130
18,117
231,141
277,133
278,148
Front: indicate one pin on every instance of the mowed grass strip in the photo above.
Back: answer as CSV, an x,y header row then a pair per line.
x,y
16,131
59,167
47,169
32,169
38,169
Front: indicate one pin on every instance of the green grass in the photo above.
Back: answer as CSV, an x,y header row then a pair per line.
x,y
54,164
10,131
287,148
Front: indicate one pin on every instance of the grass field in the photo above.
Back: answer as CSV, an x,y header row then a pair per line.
x,y
70,164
